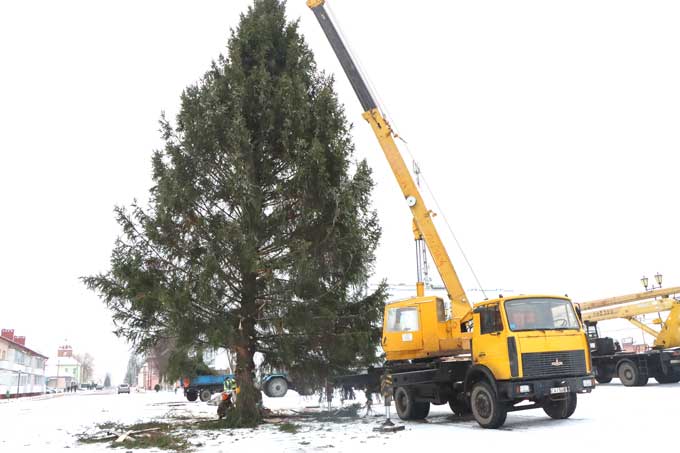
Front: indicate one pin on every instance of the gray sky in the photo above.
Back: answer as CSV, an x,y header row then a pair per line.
x,y
548,132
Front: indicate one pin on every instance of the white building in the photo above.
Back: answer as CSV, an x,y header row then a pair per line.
x,y
22,370
65,370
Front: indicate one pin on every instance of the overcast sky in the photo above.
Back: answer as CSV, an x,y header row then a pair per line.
x,y
548,132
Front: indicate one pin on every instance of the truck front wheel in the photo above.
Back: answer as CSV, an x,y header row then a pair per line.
x,y
487,410
407,406
602,376
606,379
560,409
192,395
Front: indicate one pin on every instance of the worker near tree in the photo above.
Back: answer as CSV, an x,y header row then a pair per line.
x,y
231,387
228,396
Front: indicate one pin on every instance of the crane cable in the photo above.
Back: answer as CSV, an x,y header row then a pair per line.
x,y
383,108
446,221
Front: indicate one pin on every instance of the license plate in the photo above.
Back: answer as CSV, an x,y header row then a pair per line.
x,y
555,390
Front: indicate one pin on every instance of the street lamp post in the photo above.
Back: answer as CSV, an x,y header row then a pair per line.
x,y
645,282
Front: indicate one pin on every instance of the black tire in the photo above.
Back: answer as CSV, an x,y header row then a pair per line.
x,y
561,409
205,395
277,387
459,407
487,410
407,407
192,395
606,379
666,379
603,377
630,375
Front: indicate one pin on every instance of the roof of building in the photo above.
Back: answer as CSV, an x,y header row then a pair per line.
x,y
23,348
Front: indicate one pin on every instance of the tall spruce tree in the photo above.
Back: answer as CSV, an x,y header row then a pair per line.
x,y
259,235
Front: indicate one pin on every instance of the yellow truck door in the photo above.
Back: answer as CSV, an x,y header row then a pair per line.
x,y
490,344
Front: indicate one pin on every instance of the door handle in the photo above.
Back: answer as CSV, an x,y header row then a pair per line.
x,y
384,341
482,354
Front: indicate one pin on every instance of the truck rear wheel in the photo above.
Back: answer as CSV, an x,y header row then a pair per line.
x,y
487,410
667,379
630,375
205,395
276,387
407,407
560,409
192,395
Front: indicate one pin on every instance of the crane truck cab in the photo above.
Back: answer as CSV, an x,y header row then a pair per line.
x,y
510,350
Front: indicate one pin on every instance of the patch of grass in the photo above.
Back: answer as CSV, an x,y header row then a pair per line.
x,y
109,426
180,417
149,425
155,439
230,421
162,439
291,428
337,416
94,440
348,411
209,425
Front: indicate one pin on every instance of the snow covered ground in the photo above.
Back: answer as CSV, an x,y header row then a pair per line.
x,y
614,417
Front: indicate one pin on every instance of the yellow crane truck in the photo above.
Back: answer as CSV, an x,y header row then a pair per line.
x,y
634,368
500,355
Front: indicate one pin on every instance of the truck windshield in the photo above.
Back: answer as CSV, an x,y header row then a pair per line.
x,y
540,314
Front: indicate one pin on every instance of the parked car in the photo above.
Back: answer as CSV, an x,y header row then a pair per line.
x,y
124,388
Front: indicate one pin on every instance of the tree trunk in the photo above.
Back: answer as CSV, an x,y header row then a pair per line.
x,y
247,411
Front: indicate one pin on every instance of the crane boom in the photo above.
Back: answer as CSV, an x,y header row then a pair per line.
x,y
628,311
656,301
634,297
460,306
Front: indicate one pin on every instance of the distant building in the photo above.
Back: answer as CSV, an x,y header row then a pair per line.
x,y
65,370
22,370
149,375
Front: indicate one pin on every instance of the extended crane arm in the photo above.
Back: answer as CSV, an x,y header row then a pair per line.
x,y
621,308
609,301
628,311
460,305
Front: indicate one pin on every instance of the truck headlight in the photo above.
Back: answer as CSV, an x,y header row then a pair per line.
x,y
525,388
587,382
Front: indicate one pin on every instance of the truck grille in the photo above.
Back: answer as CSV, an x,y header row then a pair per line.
x,y
559,363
